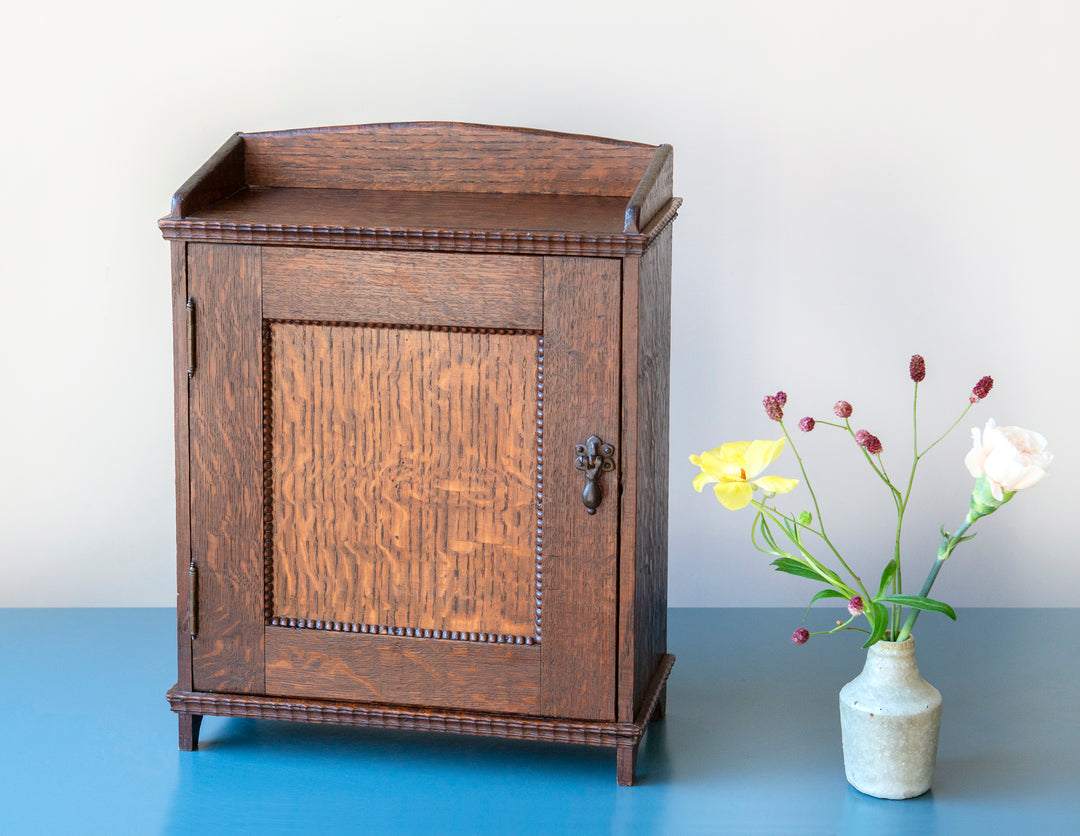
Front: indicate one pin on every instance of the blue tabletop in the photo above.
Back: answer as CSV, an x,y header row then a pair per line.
x,y
751,742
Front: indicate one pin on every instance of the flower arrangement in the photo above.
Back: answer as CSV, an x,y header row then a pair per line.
x,y
1003,461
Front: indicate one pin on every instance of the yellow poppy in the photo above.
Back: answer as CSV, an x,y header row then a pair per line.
x,y
735,467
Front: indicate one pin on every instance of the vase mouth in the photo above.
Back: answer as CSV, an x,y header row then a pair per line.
x,y
907,646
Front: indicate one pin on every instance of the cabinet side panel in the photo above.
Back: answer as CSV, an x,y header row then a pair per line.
x,y
651,529
581,348
226,467
180,423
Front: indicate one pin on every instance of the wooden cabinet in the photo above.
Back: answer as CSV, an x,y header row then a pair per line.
x,y
421,421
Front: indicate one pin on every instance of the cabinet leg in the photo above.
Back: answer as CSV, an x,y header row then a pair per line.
x,y
189,731
661,705
625,764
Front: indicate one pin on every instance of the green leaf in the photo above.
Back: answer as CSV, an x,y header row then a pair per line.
x,y
919,603
805,518
767,535
825,593
887,576
824,571
880,619
754,537
795,567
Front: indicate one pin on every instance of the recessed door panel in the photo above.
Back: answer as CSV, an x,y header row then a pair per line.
x,y
404,477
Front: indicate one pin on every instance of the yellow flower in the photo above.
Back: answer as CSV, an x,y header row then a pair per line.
x,y
735,468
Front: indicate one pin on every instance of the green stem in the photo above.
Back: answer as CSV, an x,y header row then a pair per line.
x,y
948,544
898,578
817,511
941,437
902,504
773,514
806,479
842,626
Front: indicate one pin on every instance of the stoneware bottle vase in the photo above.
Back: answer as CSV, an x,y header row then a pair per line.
x,y
890,718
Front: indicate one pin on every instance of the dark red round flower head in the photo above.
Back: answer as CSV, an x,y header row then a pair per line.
x,y
781,397
873,445
807,424
773,407
842,409
862,437
917,368
981,389
801,636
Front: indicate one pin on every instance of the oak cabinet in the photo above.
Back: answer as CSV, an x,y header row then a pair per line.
x,y
421,416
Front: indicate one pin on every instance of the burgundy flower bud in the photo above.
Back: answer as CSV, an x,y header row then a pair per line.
x,y
773,407
873,446
862,437
855,606
801,636
981,389
917,369
807,424
842,409
781,398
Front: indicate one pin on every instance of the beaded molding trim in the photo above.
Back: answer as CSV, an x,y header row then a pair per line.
x,y
268,497
452,329
539,485
602,245
585,732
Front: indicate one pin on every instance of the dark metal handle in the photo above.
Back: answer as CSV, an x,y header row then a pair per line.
x,y
593,457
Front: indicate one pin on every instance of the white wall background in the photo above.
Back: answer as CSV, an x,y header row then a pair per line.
x,y
862,181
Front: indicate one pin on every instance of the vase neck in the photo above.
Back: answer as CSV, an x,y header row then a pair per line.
x,y
892,660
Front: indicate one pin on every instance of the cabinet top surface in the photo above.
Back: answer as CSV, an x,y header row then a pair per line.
x,y
429,186
363,208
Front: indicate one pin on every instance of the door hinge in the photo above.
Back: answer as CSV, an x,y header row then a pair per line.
x,y
193,599
190,337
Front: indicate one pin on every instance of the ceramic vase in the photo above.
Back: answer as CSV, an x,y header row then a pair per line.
x,y
890,718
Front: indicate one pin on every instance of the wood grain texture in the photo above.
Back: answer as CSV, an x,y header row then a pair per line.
x,y
626,763
445,156
652,193
226,468
403,288
436,221
581,398
586,733
178,254
404,477
644,532
626,698
219,177
384,210
189,725
405,671
423,239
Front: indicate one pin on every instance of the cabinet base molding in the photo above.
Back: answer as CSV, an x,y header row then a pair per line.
x,y
193,706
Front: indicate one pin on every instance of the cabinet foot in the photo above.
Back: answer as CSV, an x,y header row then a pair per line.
x,y
189,731
625,764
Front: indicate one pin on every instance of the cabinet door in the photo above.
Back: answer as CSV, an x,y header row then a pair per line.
x,y
385,504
